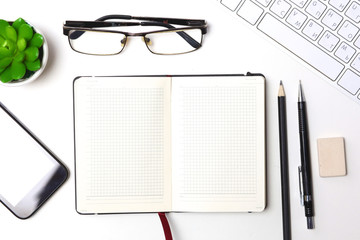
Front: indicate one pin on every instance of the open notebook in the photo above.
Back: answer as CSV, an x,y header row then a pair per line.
x,y
169,143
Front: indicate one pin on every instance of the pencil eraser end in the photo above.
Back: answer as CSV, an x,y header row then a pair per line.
x,y
331,156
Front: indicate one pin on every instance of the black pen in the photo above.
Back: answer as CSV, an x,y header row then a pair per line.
x,y
305,169
284,164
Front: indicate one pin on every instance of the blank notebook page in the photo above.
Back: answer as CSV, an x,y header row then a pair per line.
x,y
218,144
122,144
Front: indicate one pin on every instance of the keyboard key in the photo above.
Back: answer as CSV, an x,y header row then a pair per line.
x,y
280,8
356,63
329,41
348,30
312,30
354,12
250,12
332,19
316,8
231,4
296,18
300,46
350,81
345,52
339,4
299,3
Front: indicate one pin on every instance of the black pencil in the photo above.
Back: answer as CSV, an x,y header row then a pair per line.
x,y
284,164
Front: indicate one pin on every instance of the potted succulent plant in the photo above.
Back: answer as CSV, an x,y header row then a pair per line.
x,y
22,51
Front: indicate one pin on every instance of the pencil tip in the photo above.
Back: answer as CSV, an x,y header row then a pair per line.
x,y
281,90
300,95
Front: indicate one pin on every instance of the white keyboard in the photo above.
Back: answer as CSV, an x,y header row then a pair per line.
x,y
323,33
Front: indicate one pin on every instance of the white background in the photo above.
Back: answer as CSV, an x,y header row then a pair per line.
x,y
45,106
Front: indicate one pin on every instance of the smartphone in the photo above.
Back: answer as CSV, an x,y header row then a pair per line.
x,y
29,172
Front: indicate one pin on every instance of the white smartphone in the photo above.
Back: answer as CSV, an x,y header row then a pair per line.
x,y
29,172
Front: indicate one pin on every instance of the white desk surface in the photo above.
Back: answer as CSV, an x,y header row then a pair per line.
x,y
45,106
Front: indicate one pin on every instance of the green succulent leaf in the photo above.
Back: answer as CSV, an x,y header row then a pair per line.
x,y
4,52
37,40
19,57
31,53
2,41
6,76
21,44
26,32
10,33
3,25
18,70
33,66
18,22
4,62
11,46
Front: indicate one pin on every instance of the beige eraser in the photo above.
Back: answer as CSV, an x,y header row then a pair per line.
x,y
331,154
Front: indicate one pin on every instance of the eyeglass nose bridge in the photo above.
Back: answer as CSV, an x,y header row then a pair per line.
x,y
126,39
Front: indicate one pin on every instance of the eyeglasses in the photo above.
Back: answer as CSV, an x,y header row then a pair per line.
x,y
92,37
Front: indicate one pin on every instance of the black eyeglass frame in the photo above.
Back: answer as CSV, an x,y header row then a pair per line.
x,y
74,29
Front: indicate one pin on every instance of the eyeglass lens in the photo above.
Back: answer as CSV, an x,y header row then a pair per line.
x,y
96,42
174,42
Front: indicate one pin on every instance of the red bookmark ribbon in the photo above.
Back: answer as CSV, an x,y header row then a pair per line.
x,y
165,225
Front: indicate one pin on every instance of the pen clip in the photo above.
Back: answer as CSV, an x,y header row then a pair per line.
x,y
301,186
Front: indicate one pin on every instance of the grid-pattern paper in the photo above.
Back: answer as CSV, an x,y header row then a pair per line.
x,y
127,137
219,140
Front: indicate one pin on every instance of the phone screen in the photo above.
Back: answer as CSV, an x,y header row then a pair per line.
x,y
27,167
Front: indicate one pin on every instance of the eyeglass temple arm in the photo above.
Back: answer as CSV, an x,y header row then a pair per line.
x,y
162,22
77,34
92,24
179,21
